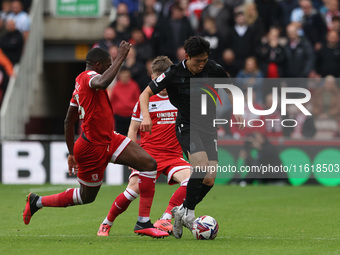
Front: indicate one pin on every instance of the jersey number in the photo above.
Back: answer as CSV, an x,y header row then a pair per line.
x,y
80,108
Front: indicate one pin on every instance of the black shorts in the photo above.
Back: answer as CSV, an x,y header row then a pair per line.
x,y
193,141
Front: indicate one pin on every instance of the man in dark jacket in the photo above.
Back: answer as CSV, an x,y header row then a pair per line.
x,y
12,42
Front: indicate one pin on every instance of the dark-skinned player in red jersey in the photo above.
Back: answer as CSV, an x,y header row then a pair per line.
x,y
98,144
197,139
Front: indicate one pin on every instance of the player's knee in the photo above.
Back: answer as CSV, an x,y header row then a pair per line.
x,y
209,182
88,200
149,164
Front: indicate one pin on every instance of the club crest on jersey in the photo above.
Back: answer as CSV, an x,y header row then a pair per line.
x,y
160,78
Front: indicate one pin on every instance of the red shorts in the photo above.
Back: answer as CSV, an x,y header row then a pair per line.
x,y
92,159
168,166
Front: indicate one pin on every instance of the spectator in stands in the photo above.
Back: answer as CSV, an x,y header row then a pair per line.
x,y
332,11
122,27
254,119
12,42
285,10
336,24
271,55
328,57
242,39
313,25
142,45
304,125
267,155
223,15
137,69
150,6
326,108
5,9
108,40
251,77
21,18
211,34
269,12
228,62
113,50
273,121
254,20
149,24
6,71
131,4
180,54
234,3
171,33
326,105
195,9
299,54
124,96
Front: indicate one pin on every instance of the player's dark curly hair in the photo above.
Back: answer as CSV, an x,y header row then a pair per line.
x,y
196,45
97,55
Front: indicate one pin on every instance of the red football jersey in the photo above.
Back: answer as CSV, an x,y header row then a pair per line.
x,y
163,133
94,109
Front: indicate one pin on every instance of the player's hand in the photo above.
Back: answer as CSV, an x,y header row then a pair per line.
x,y
240,119
146,125
124,49
72,165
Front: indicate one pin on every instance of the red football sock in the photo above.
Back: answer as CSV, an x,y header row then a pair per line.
x,y
121,203
177,198
146,183
67,198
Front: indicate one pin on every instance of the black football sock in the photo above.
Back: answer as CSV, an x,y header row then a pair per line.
x,y
193,192
204,190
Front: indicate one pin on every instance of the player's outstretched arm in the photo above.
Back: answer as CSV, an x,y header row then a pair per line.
x,y
144,99
133,130
104,80
70,120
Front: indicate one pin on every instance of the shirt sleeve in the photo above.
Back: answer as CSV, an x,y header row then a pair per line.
x,y
73,102
161,82
137,113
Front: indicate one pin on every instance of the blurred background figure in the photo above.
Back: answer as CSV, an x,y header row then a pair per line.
x,y
328,57
251,77
171,32
299,54
21,18
242,39
313,25
142,46
212,35
12,42
228,62
124,96
271,55
265,154
326,109
109,39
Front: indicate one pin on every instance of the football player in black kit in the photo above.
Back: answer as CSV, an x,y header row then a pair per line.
x,y
198,138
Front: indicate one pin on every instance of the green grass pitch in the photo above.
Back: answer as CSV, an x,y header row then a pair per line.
x,y
252,220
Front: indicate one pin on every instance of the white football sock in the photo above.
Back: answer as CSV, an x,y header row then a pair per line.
x,y
166,216
106,221
143,219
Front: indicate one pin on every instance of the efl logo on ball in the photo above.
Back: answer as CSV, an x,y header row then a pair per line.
x,y
205,228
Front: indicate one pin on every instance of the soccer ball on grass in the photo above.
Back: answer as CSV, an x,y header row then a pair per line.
x,y
205,228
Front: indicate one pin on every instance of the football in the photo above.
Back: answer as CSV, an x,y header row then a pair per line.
x,y
205,228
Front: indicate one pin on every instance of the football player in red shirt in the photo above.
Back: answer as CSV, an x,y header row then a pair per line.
x,y
163,146
98,144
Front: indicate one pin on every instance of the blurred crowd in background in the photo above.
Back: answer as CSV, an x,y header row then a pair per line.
x,y
252,40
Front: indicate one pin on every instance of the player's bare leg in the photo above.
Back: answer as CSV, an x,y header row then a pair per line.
x,y
134,156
